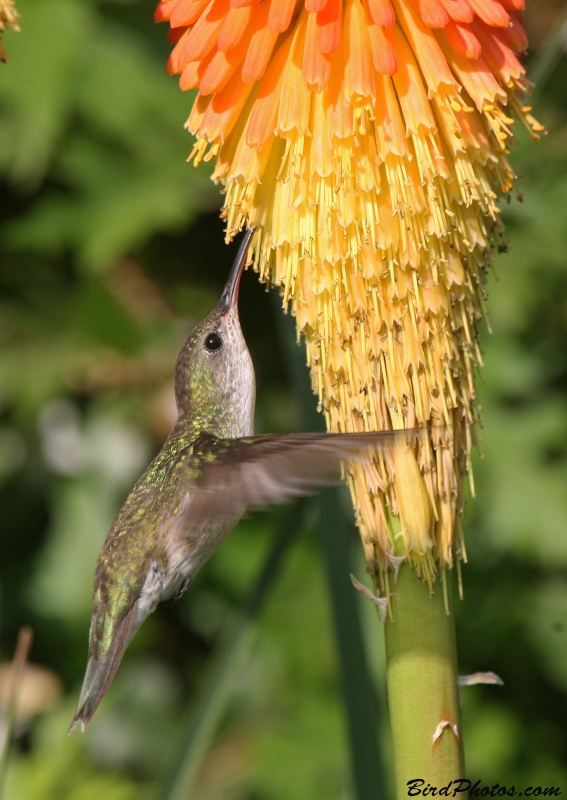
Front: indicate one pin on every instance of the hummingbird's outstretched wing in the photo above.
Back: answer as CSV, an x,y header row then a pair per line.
x,y
242,475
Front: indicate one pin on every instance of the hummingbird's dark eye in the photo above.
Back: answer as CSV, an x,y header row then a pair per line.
x,y
213,342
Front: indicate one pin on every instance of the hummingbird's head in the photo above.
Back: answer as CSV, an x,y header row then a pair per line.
x,y
214,374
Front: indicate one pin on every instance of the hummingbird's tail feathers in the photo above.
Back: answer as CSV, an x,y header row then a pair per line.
x,y
101,671
247,474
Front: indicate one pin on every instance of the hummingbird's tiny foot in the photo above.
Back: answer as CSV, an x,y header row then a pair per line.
x,y
182,589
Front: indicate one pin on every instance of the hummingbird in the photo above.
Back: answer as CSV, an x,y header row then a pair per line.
x,y
211,470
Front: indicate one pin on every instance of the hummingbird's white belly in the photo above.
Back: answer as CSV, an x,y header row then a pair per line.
x,y
150,595
185,555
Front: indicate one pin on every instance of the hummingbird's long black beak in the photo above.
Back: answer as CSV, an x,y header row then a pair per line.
x,y
230,293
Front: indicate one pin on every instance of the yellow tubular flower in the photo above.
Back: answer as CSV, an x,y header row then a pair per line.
x,y
367,142
8,19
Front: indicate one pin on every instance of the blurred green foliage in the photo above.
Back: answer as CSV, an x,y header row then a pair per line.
x,y
110,250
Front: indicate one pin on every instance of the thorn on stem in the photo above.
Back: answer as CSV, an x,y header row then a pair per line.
x,y
381,602
445,723
480,677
